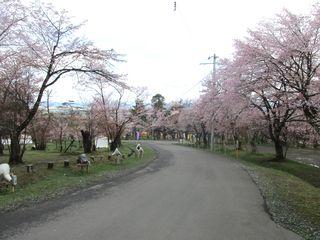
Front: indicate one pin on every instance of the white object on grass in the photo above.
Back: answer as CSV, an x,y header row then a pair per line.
x,y
118,155
5,171
139,150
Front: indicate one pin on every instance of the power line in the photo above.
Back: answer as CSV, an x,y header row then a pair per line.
x,y
191,88
188,32
213,63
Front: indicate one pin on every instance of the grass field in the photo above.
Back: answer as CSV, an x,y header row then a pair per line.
x,y
46,183
291,190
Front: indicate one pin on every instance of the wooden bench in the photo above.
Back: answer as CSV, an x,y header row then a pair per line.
x,y
82,166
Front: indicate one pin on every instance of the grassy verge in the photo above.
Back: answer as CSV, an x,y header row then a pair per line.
x,y
291,190
43,183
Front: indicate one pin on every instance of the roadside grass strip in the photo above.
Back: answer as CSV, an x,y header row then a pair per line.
x,y
46,183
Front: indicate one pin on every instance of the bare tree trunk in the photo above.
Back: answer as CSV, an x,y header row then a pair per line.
x,y
15,149
279,150
1,146
278,144
116,142
253,146
60,140
39,141
42,145
204,135
87,141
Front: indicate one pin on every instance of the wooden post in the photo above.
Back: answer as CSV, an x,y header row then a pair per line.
x,y
66,163
237,149
50,165
29,168
14,182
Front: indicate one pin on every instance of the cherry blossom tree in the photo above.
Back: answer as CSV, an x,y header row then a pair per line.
x,y
243,87
120,116
18,88
269,87
289,45
59,130
89,130
173,120
111,114
11,14
40,125
50,49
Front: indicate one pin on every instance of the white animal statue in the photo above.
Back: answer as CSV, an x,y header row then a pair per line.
x,y
139,151
7,176
5,172
118,155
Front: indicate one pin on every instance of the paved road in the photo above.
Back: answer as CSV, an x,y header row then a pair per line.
x,y
193,195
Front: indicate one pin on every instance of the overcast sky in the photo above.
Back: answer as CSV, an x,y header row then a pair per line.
x,y
163,47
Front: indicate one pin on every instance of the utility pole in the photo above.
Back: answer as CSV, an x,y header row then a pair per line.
x,y
214,62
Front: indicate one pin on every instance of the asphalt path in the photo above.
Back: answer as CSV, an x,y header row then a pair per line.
x,y
185,194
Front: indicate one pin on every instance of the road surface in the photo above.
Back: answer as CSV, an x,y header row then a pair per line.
x,y
186,194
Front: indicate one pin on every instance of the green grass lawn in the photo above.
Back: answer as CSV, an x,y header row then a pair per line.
x,y
44,183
